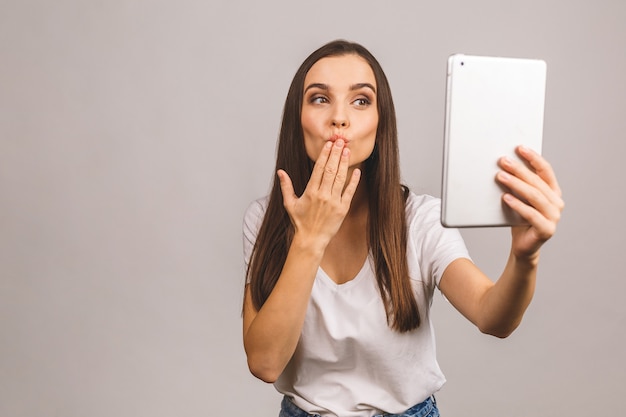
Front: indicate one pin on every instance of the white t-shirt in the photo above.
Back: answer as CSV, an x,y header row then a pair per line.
x,y
349,362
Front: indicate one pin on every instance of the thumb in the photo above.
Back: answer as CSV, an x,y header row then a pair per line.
x,y
286,187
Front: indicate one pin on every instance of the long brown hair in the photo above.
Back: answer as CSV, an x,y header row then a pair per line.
x,y
387,198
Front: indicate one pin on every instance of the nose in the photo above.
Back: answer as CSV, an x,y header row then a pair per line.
x,y
337,122
340,118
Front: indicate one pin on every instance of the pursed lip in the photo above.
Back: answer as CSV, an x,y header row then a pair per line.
x,y
336,137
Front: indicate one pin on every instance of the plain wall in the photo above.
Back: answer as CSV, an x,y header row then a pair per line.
x,y
133,134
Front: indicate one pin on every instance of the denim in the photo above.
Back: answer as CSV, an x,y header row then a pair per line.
x,y
427,408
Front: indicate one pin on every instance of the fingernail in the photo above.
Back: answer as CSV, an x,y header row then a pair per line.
x,y
328,144
507,160
339,143
503,175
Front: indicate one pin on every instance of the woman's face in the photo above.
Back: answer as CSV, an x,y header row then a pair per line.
x,y
339,102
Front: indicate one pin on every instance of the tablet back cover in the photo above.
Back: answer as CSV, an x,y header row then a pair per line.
x,y
493,105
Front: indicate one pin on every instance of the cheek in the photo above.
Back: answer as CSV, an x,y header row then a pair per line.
x,y
375,122
308,123
372,128
312,150
312,146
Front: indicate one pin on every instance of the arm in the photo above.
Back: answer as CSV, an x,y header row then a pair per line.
x,y
497,308
271,334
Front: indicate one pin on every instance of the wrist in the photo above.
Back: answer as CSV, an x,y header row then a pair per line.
x,y
312,245
526,261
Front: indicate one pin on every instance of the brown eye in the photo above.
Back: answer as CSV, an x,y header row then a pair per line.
x,y
318,100
362,102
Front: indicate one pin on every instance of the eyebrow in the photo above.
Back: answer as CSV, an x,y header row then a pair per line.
x,y
353,87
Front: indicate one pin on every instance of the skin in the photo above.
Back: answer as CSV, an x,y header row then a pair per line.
x,y
497,308
339,107
336,107
330,220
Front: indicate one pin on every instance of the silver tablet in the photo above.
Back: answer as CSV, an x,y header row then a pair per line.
x,y
493,105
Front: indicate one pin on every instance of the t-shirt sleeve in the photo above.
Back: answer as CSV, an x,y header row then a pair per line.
x,y
252,220
436,246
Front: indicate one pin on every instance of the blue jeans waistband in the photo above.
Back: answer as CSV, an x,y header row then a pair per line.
x,y
427,408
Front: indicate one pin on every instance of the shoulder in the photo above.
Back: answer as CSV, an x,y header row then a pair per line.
x,y
253,216
422,209
252,220
423,214
256,209
431,246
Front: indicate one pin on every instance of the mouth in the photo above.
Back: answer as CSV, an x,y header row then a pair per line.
x,y
336,137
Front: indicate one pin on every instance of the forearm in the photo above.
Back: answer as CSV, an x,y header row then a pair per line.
x,y
506,301
271,336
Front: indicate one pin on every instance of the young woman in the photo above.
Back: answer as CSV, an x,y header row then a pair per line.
x,y
343,259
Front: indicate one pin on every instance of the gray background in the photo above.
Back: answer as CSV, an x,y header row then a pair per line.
x,y
133,134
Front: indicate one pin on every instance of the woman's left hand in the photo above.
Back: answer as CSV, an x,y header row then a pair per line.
x,y
536,196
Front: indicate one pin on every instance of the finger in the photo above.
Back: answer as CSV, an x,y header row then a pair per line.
x,y
544,227
320,164
342,172
332,166
546,204
530,177
286,187
348,193
541,166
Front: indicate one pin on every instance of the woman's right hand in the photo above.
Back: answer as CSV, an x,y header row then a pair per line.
x,y
319,212
271,334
